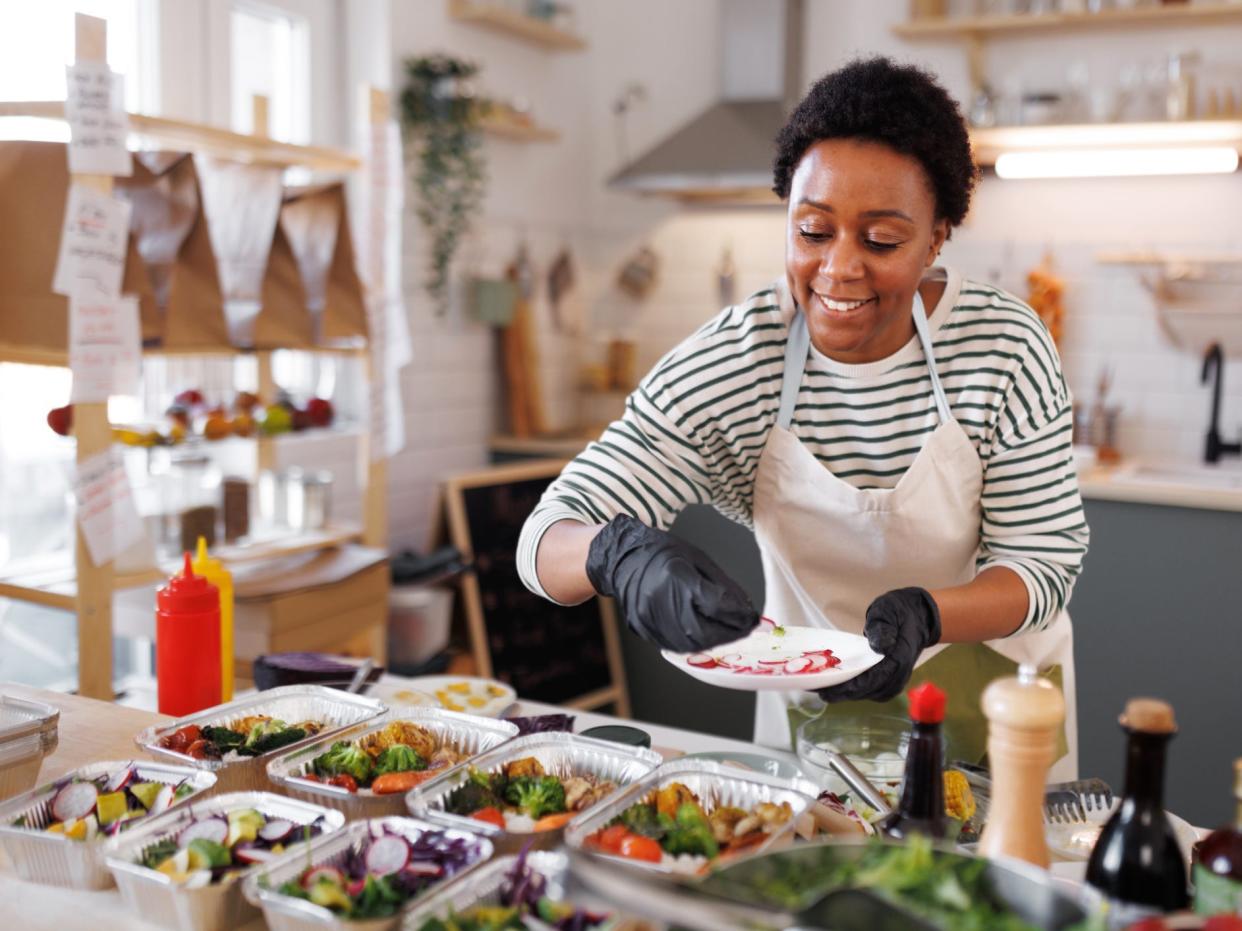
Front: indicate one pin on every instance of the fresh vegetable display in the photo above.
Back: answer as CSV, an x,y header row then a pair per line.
x,y
673,829
523,895
379,876
523,797
249,736
211,848
83,809
394,759
951,891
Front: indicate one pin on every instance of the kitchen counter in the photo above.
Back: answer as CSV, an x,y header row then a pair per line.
x,y
1174,484
93,730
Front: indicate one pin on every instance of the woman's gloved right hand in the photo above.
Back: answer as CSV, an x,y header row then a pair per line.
x,y
668,591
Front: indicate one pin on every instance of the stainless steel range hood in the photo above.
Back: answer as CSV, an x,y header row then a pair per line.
x,y
725,153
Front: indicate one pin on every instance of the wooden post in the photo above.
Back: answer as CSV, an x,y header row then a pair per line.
x,y
260,124
375,468
90,428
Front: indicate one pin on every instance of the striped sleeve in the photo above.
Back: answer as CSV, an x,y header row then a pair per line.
x,y
1033,520
666,451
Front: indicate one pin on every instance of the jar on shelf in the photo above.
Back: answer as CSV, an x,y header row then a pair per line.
x,y
191,502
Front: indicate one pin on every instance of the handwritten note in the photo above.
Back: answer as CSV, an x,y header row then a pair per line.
x,y
97,120
105,506
93,242
105,345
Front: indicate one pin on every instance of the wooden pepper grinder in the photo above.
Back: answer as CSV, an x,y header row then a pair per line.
x,y
1024,716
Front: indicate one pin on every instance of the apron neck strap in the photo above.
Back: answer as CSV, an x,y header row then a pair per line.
x,y
797,347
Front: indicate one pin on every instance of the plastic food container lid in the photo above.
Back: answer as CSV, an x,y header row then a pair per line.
x,y
619,734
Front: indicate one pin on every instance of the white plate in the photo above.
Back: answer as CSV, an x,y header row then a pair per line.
x,y
1075,841
764,646
485,697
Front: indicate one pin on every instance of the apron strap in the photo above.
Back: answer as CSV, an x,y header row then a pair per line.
x,y
796,349
920,324
798,346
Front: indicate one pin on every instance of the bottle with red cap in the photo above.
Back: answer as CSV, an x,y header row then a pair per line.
x,y
187,643
921,807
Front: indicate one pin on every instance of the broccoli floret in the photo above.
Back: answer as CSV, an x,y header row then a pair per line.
x,y
343,758
645,820
480,790
536,795
224,738
691,834
268,736
398,759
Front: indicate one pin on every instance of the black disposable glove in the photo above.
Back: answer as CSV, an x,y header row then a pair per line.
x,y
901,624
668,591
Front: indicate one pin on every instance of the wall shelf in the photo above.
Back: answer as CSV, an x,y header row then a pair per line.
x,y
208,139
516,132
960,27
987,144
515,25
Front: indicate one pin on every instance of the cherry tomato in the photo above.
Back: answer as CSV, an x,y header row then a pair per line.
x,y
610,838
1223,923
491,815
202,750
310,777
344,781
180,739
637,847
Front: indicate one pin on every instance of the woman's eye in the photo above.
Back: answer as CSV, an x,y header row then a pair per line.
x,y
882,246
812,235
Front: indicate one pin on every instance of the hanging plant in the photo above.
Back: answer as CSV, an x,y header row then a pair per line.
x,y
440,113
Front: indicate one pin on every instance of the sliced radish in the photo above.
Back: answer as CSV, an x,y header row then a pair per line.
x,y
329,873
387,855
212,829
732,660
702,660
120,780
248,854
759,670
276,831
355,888
773,662
76,800
417,868
798,665
767,621
818,662
163,799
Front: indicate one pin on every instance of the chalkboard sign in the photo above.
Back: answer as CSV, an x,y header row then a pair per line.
x,y
547,652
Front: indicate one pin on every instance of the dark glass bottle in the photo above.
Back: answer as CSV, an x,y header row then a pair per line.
x,y
1218,868
921,807
1136,862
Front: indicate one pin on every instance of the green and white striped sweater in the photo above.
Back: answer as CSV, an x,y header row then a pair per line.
x,y
694,429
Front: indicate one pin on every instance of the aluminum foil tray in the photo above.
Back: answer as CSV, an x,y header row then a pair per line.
x,y
60,861
156,898
339,711
714,785
28,734
561,754
482,887
286,913
466,733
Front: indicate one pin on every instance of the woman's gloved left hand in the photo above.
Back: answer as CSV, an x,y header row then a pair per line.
x,y
901,624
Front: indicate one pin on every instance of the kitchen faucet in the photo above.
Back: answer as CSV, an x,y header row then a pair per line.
x,y
1214,363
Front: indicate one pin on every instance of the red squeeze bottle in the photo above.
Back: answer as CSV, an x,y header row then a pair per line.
x,y
187,643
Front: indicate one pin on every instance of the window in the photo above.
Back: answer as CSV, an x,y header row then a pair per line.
x,y
270,55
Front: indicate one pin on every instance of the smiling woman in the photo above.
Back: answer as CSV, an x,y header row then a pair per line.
x,y
897,436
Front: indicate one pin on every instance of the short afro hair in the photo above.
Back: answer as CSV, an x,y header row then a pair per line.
x,y
900,106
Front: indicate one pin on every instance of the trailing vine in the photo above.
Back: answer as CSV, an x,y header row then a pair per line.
x,y
440,115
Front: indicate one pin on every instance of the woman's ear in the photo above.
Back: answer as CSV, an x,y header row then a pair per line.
x,y
940,232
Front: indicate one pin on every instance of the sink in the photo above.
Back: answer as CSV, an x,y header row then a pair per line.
x,y
1228,478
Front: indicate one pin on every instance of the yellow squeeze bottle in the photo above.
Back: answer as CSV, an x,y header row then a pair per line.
x,y
215,573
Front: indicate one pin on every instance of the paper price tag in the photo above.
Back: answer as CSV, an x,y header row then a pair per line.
x,y
97,120
93,242
105,346
105,506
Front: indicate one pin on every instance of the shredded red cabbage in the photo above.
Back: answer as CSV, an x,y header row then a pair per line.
x,y
542,723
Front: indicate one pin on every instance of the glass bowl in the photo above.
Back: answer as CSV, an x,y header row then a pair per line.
x,y
876,744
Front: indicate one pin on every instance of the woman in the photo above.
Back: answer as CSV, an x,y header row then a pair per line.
x,y
898,437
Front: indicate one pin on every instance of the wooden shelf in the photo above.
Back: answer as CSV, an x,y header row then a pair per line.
x,y
960,27
514,24
987,144
1168,259
517,132
208,139
52,581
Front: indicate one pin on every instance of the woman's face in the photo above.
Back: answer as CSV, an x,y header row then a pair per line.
x,y
862,227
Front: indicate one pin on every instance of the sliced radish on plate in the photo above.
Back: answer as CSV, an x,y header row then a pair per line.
x,y
797,665
119,780
817,661
387,855
702,660
76,800
732,660
212,829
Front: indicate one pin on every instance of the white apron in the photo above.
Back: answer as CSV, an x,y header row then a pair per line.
x,y
829,548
